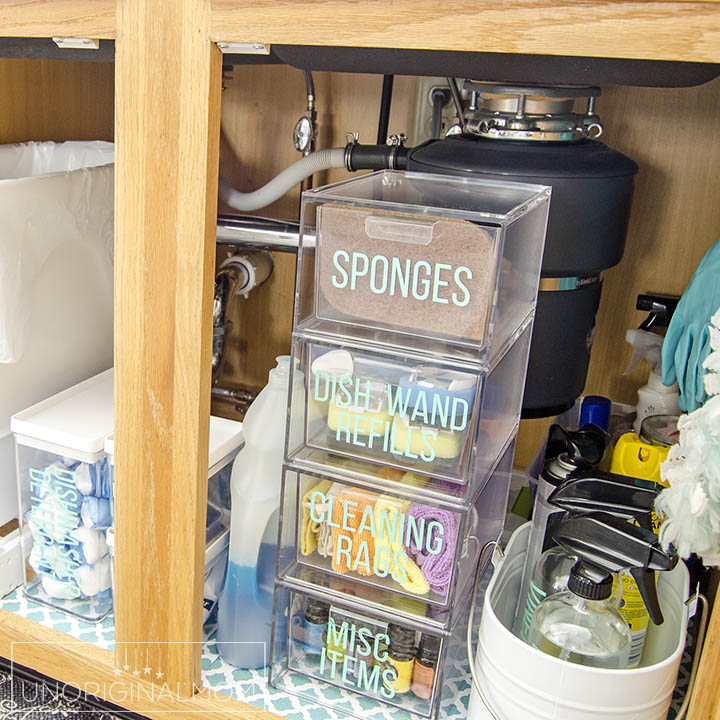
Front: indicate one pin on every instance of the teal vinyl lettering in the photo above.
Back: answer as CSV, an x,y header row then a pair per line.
x,y
367,522
420,410
342,548
328,517
337,637
358,259
362,397
382,560
394,450
440,409
382,640
459,404
389,678
342,282
322,380
417,281
362,559
389,525
377,260
400,559
356,431
343,426
428,434
317,498
364,648
343,395
373,434
434,531
465,299
414,530
438,283
348,661
408,443
371,682
400,276
397,401
347,514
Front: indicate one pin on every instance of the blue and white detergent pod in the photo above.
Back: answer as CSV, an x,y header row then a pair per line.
x,y
245,606
65,496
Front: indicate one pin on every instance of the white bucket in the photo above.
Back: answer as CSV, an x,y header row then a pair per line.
x,y
521,682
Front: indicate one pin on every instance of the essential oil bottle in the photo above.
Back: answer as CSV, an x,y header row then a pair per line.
x,y
425,666
402,656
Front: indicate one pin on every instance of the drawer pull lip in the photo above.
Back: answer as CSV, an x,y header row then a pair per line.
x,y
416,232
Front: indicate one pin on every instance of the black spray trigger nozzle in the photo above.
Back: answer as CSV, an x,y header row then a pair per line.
x,y
584,447
593,490
613,544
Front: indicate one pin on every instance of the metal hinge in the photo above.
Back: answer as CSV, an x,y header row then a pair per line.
x,y
242,48
76,43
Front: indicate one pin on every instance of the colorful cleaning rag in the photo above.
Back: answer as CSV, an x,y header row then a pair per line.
x,y
362,544
436,568
310,531
388,506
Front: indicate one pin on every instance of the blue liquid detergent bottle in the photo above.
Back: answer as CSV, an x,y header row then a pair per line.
x,y
245,605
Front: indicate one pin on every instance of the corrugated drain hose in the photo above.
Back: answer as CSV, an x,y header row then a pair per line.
x,y
282,183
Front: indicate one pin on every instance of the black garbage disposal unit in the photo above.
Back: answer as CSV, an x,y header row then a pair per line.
x,y
535,134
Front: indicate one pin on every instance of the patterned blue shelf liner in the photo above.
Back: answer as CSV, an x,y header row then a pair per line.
x,y
251,686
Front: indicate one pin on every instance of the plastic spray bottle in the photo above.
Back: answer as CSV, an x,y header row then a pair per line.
x,y
581,624
654,398
245,605
564,488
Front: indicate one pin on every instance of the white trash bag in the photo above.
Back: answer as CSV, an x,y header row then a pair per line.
x,y
50,195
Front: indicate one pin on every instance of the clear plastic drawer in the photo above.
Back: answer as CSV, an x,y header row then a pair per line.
x,y
446,265
388,537
403,411
320,643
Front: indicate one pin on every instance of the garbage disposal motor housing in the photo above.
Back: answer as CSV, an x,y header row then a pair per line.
x,y
536,134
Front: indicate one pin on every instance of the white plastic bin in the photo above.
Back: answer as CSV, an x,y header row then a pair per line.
x,y
56,278
65,497
226,440
521,682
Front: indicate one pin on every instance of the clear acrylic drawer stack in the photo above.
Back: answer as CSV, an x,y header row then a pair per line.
x,y
413,316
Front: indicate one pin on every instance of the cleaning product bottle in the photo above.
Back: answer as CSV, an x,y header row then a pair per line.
x,y
654,398
631,601
580,624
564,487
550,576
245,605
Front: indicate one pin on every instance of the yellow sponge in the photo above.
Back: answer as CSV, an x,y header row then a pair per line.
x,y
446,444
364,418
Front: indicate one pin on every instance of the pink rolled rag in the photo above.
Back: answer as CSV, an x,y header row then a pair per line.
x,y
436,568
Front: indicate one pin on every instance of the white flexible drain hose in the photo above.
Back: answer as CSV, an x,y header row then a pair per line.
x,y
282,183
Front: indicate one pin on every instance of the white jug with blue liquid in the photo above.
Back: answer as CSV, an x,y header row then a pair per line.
x,y
245,605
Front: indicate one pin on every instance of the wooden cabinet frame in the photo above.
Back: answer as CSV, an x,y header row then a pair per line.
x,y
167,135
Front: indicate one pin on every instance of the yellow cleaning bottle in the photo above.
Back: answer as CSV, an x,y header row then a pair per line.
x,y
639,456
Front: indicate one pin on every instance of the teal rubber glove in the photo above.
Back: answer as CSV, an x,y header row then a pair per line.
x,y
687,342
